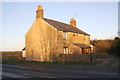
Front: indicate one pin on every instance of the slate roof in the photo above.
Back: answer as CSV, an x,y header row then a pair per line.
x,y
81,45
64,27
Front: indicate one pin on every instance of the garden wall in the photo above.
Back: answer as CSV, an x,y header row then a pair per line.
x,y
76,57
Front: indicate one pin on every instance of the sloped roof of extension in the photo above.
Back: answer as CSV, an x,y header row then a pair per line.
x,y
82,45
64,27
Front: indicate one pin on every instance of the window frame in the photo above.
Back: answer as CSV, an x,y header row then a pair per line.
x,y
65,50
65,35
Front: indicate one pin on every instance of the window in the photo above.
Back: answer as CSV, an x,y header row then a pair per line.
x,y
65,50
84,38
87,50
65,35
75,34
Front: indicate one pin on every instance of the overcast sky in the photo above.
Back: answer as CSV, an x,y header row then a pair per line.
x,y
99,19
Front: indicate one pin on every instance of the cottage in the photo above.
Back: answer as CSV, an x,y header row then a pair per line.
x,y
47,39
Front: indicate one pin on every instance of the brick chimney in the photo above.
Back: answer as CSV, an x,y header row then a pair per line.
x,y
73,22
39,12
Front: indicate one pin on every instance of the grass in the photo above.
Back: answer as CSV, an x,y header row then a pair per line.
x,y
45,62
12,60
111,62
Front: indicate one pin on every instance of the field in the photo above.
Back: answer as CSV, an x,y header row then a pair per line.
x,y
11,55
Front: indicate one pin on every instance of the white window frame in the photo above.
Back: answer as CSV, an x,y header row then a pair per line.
x,y
65,35
65,50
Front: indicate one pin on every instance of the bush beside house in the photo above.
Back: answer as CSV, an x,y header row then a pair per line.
x,y
103,48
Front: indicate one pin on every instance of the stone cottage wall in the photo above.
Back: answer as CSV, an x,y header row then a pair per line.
x,y
78,38
40,41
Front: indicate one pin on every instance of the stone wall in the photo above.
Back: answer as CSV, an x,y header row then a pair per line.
x,y
78,38
74,57
74,49
42,42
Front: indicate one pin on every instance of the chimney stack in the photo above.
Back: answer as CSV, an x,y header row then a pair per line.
x,y
73,22
39,12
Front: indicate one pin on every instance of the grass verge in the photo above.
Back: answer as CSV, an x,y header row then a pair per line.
x,y
111,62
45,62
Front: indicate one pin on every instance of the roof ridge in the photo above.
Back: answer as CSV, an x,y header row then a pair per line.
x,y
58,21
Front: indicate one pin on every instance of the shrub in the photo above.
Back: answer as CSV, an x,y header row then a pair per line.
x,y
101,55
115,47
102,46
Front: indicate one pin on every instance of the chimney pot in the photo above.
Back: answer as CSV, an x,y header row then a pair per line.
x,y
73,22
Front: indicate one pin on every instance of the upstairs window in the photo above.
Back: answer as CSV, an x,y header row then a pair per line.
x,y
84,38
65,35
75,34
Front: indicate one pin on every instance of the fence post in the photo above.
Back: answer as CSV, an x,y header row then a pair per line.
x,y
91,56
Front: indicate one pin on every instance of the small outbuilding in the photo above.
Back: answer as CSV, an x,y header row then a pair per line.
x,y
23,53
